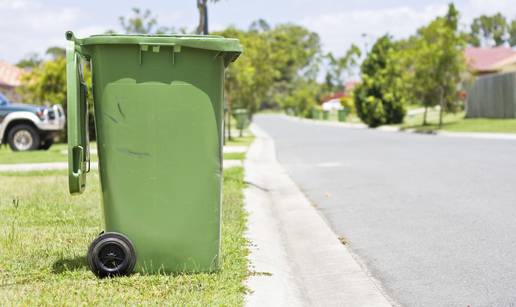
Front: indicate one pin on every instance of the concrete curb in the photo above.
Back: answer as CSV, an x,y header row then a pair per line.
x,y
475,135
298,259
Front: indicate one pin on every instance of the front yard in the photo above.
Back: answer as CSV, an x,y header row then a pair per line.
x,y
45,233
56,153
457,123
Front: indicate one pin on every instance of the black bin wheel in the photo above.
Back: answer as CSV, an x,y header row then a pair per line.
x,y
111,254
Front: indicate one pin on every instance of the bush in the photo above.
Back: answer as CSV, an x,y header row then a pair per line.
x,y
377,110
380,98
348,103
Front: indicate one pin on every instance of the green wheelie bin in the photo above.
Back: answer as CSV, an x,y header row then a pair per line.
x,y
158,105
326,115
343,114
316,113
242,119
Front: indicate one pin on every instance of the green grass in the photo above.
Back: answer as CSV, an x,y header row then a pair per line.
x,y
234,156
457,123
56,153
240,141
45,232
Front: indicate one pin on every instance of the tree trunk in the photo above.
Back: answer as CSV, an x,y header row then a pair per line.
x,y
441,111
425,116
202,6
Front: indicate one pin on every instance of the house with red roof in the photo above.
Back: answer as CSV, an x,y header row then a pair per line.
x,y
482,61
9,78
347,92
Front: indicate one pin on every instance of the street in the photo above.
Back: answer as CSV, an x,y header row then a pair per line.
x,y
430,217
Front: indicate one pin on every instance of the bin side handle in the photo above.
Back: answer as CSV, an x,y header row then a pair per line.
x,y
77,121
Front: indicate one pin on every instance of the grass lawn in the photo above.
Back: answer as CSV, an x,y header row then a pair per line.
x,y
240,141
45,233
457,123
234,156
56,153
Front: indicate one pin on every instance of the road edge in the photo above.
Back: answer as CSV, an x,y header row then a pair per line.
x,y
473,135
295,258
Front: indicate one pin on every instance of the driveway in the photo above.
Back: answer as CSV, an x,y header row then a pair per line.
x,y
433,218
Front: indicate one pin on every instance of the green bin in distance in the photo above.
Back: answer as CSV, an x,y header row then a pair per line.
x,y
316,113
242,119
326,115
343,114
158,105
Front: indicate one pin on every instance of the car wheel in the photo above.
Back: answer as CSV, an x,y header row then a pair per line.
x,y
111,254
45,145
23,138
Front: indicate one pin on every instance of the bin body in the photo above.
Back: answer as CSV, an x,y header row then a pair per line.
x,y
326,115
159,124
343,114
316,114
242,118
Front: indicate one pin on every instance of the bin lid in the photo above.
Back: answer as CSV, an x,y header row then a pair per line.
x,y
209,42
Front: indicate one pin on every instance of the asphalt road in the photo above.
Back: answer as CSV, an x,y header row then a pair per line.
x,y
433,218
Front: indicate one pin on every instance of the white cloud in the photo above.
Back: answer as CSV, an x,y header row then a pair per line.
x,y
33,25
473,8
339,30
30,26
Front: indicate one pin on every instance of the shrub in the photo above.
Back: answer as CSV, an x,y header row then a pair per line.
x,y
380,98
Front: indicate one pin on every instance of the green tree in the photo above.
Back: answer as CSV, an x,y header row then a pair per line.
x,y
295,51
338,67
380,98
55,52
488,31
452,17
46,83
260,25
512,33
276,62
143,22
296,56
249,79
437,55
303,97
31,61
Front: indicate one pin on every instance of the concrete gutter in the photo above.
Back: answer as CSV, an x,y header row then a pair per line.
x,y
475,135
296,257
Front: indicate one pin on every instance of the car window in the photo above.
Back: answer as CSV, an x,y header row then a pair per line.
x,y
3,100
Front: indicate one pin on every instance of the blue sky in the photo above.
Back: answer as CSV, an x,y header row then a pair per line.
x,y
32,25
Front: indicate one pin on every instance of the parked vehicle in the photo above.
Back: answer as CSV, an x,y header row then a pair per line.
x,y
28,127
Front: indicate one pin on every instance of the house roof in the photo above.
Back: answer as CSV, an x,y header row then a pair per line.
x,y
348,88
489,59
350,85
332,96
9,74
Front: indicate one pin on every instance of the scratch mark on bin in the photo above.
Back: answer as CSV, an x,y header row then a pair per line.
x,y
133,153
120,110
112,118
